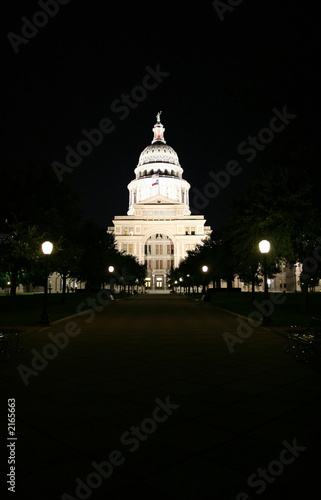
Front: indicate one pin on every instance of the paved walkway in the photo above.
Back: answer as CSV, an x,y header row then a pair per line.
x,y
147,400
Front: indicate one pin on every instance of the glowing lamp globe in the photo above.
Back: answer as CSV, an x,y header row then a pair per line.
x,y
47,247
204,269
111,269
264,246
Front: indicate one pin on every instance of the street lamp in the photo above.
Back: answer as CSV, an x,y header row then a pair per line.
x,y
111,269
188,276
264,247
175,283
204,269
46,247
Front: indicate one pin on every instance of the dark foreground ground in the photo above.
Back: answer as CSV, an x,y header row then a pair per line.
x,y
144,398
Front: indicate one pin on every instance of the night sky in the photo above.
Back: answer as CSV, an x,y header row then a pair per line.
x,y
223,79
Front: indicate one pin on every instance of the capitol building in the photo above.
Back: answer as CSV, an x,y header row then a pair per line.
x,y
158,228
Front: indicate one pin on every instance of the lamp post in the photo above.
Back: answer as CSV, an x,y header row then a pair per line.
x,y
180,284
188,276
264,247
111,269
204,270
46,247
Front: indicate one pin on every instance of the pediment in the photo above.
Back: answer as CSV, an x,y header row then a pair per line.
x,y
158,199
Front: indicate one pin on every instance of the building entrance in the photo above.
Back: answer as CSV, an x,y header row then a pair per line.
x,y
159,259
160,282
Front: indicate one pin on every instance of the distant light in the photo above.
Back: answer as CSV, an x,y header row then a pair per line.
x,y
180,279
111,269
264,246
47,247
204,269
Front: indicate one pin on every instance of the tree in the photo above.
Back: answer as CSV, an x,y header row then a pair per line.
x,y
53,211
128,271
98,253
280,206
19,252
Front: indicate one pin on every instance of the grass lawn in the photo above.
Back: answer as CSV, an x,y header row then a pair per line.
x,y
286,314
28,308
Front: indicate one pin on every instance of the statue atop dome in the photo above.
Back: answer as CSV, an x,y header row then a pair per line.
x,y
158,116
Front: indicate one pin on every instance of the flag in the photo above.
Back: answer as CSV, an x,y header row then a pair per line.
x,y
155,176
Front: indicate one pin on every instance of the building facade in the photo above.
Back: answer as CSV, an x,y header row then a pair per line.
x,y
158,228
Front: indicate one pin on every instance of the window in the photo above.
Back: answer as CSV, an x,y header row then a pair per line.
x,y
125,230
168,249
125,247
160,264
186,230
161,249
192,230
168,265
131,231
172,249
130,248
157,264
156,249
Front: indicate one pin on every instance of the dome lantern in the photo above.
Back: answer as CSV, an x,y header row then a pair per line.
x,y
158,130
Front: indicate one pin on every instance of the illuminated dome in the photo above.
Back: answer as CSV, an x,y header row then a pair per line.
x,y
158,173
158,152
